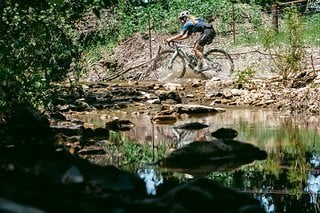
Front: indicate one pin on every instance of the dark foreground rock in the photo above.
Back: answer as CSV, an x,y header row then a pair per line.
x,y
199,195
39,175
37,178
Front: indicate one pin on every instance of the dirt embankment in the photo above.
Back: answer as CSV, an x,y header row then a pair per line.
x,y
139,50
265,88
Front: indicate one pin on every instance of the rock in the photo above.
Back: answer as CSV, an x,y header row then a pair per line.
x,y
195,109
101,133
58,116
170,95
7,205
72,176
198,195
164,119
192,126
119,125
92,151
172,86
201,158
27,123
225,133
154,101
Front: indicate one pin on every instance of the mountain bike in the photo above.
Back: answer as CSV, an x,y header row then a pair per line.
x,y
173,62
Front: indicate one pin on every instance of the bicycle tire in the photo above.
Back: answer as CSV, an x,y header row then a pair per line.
x,y
220,62
163,69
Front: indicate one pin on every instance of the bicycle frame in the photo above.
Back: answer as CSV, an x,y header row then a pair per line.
x,y
178,50
174,62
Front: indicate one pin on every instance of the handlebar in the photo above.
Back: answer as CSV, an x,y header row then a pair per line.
x,y
176,44
173,44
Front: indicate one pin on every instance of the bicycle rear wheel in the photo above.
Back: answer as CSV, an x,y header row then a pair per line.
x,y
169,65
220,63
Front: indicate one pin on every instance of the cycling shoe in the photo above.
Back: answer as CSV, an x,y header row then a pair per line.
x,y
201,69
205,67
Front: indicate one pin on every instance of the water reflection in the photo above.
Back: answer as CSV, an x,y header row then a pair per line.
x,y
267,203
288,181
152,178
313,181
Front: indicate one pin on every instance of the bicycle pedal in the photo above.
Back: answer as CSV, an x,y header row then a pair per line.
x,y
202,69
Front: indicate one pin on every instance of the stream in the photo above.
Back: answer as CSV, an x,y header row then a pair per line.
x,y
287,181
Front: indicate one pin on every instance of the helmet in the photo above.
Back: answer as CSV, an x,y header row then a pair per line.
x,y
184,14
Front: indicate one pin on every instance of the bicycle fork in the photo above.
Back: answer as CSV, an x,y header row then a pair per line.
x,y
172,59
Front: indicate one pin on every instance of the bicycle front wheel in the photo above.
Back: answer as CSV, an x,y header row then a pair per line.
x,y
169,64
220,63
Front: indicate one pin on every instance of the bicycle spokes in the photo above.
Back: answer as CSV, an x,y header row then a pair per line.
x,y
169,64
214,66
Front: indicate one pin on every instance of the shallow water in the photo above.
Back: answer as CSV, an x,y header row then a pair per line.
x,y
287,181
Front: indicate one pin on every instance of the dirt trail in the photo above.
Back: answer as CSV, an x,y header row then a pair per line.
x,y
136,51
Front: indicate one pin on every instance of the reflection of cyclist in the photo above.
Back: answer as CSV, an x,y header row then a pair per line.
x,y
194,25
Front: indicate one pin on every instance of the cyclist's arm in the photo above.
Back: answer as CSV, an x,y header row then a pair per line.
x,y
185,32
180,36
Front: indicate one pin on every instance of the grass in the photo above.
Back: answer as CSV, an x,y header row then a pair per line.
x,y
311,33
312,30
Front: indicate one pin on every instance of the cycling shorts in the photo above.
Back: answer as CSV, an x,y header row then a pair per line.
x,y
207,36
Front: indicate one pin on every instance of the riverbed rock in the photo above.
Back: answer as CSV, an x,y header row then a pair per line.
x,y
199,158
196,109
191,126
119,125
225,133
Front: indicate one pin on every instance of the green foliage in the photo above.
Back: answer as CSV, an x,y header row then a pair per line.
x,y
136,153
243,77
312,29
39,45
133,17
40,41
289,55
125,152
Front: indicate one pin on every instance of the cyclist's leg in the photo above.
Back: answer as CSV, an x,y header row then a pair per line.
x,y
198,51
205,38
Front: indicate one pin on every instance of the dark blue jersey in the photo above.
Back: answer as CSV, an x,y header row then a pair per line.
x,y
190,28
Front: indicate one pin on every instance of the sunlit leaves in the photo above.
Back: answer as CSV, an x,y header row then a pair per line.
x,y
38,43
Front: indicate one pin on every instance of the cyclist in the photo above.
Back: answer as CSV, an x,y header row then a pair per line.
x,y
192,25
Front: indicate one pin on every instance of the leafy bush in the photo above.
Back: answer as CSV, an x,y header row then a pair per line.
x,y
286,48
244,76
38,45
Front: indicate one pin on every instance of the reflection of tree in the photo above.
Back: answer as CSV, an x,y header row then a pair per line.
x,y
271,166
283,175
297,173
291,162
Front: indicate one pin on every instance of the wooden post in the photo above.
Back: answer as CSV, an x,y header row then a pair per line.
x,y
233,23
149,28
275,16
